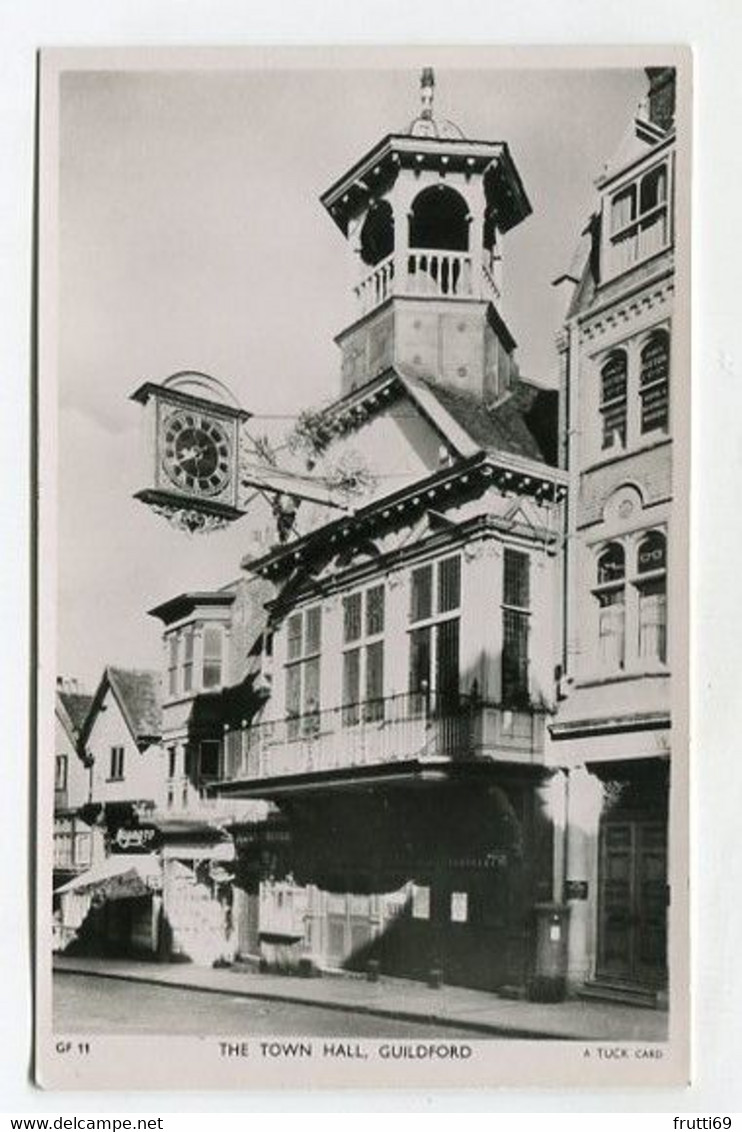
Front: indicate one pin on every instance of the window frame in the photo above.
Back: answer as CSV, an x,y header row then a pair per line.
x,y
215,663
644,580
630,585
116,771
647,388
642,219
605,589
61,772
518,612
363,639
299,661
430,627
617,438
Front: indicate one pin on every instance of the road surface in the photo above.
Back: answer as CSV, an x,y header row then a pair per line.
x,y
90,1005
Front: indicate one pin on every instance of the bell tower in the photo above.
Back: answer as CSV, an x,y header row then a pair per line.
x,y
424,212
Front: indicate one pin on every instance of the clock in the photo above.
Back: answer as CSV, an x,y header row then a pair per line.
x,y
197,453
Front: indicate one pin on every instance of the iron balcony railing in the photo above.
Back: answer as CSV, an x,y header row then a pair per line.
x,y
393,729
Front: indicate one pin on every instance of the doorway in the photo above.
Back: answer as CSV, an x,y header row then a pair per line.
x,y
632,902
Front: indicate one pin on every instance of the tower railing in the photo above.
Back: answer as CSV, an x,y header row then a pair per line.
x,y
428,273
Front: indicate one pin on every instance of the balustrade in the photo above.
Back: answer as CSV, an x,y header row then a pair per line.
x,y
429,273
395,729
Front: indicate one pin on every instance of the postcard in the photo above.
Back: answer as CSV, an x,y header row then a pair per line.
x,y
363,383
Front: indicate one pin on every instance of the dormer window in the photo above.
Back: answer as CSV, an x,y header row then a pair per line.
x,y
638,220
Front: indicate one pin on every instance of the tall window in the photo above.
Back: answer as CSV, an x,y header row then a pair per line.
x,y
212,665
60,773
654,382
304,645
639,219
516,605
188,641
651,583
209,760
363,655
116,767
613,391
610,592
435,601
172,667
172,761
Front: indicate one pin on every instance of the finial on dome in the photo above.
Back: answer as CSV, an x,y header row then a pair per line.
x,y
427,90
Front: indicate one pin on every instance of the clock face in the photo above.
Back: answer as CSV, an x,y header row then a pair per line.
x,y
197,453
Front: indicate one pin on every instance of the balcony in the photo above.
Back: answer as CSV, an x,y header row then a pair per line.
x,y
430,273
395,730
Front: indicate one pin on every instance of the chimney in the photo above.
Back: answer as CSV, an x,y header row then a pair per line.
x,y
661,96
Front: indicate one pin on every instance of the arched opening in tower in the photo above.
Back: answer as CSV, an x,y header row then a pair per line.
x,y
377,234
439,220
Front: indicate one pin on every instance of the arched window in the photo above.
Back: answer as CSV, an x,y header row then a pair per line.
x,y
439,220
654,382
613,379
377,234
651,583
610,592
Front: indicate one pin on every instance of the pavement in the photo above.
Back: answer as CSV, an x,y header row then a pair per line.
x,y
481,1012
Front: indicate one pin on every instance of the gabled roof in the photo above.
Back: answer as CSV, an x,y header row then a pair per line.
x,y
499,427
640,138
521,423
138,694
74,709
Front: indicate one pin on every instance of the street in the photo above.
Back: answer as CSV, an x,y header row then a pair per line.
x,y
92,1005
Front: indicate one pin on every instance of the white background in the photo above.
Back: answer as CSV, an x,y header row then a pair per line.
x,y
713,28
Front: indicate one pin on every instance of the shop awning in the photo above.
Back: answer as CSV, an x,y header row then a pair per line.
x,y
119,877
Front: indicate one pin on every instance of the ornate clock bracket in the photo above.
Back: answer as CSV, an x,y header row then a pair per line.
x,y
200,473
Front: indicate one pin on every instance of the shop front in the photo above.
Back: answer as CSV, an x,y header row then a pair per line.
x,y
421,877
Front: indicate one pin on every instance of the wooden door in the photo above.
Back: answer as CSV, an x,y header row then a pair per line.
x,y
632,910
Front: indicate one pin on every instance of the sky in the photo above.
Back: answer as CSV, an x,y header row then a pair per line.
x,y
191,236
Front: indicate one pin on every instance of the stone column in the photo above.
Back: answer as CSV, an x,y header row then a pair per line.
x,y
584,803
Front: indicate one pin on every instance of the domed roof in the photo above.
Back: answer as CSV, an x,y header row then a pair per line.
x,y
426,125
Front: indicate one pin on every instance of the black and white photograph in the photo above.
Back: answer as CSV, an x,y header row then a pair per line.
x,y
363,567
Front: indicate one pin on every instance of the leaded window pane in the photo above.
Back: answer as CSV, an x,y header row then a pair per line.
x,y
421,598
516,579
352,620
374,611
449,584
